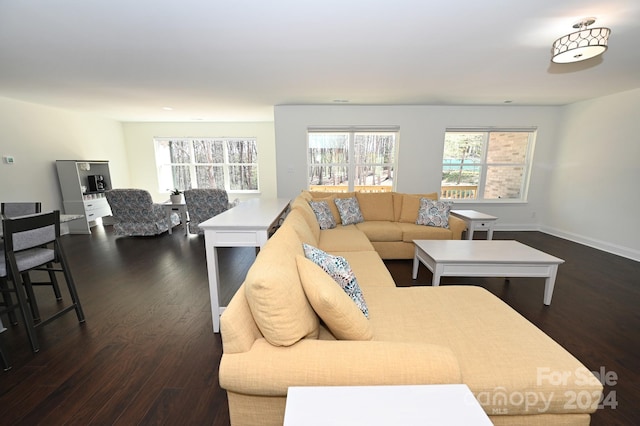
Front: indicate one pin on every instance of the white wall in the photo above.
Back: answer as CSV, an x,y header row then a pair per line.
x,y
36,136
421,141
594,197
140,150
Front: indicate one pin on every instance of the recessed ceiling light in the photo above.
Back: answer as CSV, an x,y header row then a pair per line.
x,y
341,101
508,101
167,108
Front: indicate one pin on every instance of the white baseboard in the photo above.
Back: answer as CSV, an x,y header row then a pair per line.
x,y
516,227
591,242
627,252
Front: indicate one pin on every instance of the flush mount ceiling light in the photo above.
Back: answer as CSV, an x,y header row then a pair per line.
x,y
580,45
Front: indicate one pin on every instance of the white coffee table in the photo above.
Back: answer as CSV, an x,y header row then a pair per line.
x,y
476,221
480,258
383,405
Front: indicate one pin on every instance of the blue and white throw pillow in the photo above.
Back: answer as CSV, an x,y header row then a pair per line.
x,y
339,269
323,214
434,213
349,210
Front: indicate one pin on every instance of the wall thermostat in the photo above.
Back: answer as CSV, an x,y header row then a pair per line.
x,y
8,159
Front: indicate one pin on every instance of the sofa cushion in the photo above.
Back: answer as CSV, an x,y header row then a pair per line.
x,y
323,214
376,205
309,215
296,219
324,194
238,327
380,230
274,292
332,304
338,268
369,269
397,205
434,213
344,238
411,206
502,356
306,195
411,231
349,210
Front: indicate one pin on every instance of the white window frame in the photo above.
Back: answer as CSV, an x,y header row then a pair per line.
x,y
161,165
484,165
351,165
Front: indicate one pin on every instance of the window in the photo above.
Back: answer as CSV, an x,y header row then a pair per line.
x,y
224,163
351,160
487,165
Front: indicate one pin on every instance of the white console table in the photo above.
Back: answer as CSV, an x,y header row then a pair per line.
x,y
245,225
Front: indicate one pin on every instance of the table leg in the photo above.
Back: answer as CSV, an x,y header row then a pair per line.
x,y
490,232
214,282
183,216
549,284
168,211
437,273
416,264
470,231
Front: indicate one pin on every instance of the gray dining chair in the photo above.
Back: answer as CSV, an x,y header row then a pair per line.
x,y
12,209
17,209
4,358
33,243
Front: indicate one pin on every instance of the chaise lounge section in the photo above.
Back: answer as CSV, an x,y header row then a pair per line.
x,y
290,324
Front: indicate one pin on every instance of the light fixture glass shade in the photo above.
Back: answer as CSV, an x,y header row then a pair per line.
x,y
581,45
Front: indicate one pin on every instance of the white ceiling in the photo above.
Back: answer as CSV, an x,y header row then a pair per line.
x,y
233,60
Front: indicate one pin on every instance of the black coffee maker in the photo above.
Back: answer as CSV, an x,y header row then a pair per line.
x,y
96,183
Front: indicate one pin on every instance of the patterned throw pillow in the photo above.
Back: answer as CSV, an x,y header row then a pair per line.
x,y
323,214
338,268
332,304
349,210
434,213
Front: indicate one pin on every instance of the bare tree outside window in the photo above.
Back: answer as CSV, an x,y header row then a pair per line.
x,y
348,161
223,163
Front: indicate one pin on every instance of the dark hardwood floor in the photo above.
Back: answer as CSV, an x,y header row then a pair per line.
x,y
147,353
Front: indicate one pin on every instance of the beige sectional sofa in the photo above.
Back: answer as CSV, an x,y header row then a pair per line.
x,y
389,220
290,324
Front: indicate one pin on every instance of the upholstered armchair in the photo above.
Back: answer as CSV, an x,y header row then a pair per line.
x,y
203,204
135,214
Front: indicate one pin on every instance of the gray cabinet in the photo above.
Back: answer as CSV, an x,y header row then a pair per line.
x,y
80,193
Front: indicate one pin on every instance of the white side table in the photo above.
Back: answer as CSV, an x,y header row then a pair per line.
x,y
476,221
181,208
383,405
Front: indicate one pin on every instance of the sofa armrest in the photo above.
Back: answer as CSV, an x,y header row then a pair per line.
x,y
456,225
269,370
